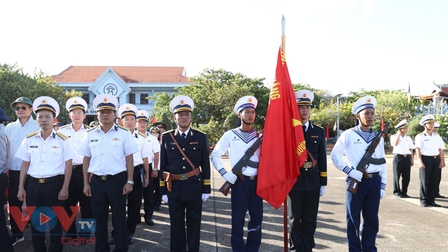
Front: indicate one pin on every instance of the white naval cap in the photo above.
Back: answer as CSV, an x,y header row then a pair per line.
x,y
436,125
401,124
181,103
105,101
426,118
304,97
127,109
245,102
75,103
142,115
46,103
363,103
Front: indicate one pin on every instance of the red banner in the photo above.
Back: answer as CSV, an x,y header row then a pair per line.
x,y
283,151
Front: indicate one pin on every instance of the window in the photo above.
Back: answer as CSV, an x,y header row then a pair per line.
x,y
143,99
86,97
132,98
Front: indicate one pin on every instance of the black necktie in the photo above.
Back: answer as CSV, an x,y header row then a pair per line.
x,y
183,135
304,129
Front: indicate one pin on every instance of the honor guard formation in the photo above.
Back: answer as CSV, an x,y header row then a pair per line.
x,y
124,163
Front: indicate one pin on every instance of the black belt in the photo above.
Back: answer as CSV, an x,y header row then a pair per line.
x,y
46,180
372,175
405,155
436,156
78,166
250,177
138,166
106,177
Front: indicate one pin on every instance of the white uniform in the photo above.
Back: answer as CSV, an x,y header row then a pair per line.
x,y
405,144
238,142
429,144
353,144
108,150
45,155
75,138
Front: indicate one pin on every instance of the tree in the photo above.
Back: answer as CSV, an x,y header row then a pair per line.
x,y
14,83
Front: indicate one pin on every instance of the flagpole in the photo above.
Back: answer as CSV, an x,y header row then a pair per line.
x,y
285,203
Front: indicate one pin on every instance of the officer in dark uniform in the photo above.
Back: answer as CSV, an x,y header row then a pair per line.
x,y
186,187
311,184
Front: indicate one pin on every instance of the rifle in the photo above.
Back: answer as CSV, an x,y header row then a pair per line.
x,y
225,188
367,159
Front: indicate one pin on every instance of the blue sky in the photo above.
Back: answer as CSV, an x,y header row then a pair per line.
x,y
335,45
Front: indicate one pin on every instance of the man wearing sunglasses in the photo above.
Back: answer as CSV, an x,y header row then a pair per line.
x,y
24,125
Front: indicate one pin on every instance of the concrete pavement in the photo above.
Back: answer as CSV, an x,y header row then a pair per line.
x,y
404,224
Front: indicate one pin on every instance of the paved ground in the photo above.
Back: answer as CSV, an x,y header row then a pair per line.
x,y
404,224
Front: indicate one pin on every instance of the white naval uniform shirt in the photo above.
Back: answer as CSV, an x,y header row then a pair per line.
x,y
429,144
107,150
353,146
17,132
154,142
404,145
236,142
75,138
143,148
47,157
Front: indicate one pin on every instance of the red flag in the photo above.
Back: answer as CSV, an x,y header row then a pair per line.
x,y
153,120
382,126
327,132
283,151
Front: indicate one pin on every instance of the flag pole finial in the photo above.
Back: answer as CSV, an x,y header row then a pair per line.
x,y
283,34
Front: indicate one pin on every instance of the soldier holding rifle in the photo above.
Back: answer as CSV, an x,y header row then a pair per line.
x,y
244,198
356,145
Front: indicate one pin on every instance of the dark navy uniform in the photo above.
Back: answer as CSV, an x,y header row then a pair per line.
x,y
186,195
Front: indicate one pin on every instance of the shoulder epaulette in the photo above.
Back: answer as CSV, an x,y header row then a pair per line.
x,y
91,128
143,135
197,131
167,132
419,134
32,134
121,127
86,126
61,135
63,127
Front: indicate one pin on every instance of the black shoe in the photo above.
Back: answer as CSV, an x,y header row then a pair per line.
x,y
397,194
17,239
405,195
440,196
149,221
423,204
111,240
434,204
157,208
130,239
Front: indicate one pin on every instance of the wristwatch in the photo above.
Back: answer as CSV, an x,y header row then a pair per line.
x,y
130,182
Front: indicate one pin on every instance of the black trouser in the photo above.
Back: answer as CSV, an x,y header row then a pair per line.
x,y
148,196
109,191
180,240
45,194
75,195
135,201
303,207
401,167
13,201
5,240
156,185
429,178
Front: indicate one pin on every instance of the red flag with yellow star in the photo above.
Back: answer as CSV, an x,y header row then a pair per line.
x,y
283,151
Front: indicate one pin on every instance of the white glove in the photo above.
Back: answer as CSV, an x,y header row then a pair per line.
x,y
205,196
382,193
230,177
322,190
165,198
355,174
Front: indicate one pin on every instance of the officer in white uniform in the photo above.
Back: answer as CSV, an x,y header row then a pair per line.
x,y
403,150
244,197
47,167
428,147
75,131
128,113
353,144
153,159
108,156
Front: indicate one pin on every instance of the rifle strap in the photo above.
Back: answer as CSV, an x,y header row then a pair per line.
x,y
313,160
183,154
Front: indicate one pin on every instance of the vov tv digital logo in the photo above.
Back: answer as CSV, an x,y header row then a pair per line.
x,y
44,218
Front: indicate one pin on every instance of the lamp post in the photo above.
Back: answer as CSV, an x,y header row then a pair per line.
x,y
337,121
